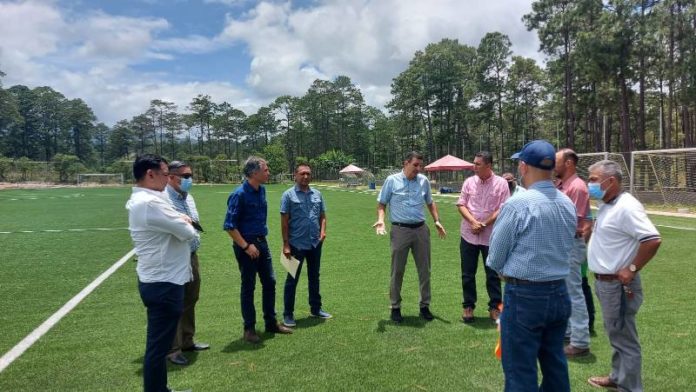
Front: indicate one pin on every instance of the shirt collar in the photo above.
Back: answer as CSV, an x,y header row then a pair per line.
x,y
174,193
248,188
568,180
297,189
542,184
159,194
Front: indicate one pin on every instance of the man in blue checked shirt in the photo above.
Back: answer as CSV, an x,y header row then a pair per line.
x,y
529,248
407,193
178,189
303,226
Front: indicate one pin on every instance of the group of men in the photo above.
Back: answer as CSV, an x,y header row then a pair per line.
x,y
534,241
165,225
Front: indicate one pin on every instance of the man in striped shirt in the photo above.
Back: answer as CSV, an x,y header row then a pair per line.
x,y
624,240
530,245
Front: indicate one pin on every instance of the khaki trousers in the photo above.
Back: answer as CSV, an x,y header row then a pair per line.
x,y
187,323
403,240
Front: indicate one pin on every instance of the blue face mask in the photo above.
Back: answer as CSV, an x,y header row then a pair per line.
x,y
186,184
595,190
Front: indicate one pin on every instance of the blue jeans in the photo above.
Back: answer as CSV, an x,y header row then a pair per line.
x,y
579,323
248,268
313,257
532,326
164,302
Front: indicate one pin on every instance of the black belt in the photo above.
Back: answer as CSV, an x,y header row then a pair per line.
x,y
408,225
606,277
516,281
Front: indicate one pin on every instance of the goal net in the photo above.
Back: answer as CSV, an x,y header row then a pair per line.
x,y
588,159
665,176
93,179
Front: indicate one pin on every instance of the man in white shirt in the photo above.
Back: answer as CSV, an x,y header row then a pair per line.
x,y
161,238
623,242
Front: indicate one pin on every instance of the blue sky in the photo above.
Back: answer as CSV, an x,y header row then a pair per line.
x,y
119,55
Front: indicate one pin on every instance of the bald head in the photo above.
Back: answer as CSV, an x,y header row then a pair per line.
x,y
566,163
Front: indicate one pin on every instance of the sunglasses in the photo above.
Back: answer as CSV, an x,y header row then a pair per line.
x,y
186,176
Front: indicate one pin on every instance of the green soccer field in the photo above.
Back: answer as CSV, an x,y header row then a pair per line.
x,y
55,242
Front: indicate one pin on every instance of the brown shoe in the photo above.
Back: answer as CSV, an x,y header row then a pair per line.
x,y
468,315
494,314
574,352
278,328
251,336
603,382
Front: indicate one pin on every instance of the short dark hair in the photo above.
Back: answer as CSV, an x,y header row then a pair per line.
x,y
569,154
252,165
299,165
146,162
486,156
413,154
173,165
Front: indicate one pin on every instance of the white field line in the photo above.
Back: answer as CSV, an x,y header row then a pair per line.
x,y
66,230
46,326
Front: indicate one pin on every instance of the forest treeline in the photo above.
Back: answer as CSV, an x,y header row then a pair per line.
x,y
619,76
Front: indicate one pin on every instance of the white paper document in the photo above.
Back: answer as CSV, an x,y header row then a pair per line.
x,y
290,264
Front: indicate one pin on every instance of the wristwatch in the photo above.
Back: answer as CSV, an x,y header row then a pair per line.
x,y
633,268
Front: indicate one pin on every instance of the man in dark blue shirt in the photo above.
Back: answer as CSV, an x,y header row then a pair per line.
x,y
245,222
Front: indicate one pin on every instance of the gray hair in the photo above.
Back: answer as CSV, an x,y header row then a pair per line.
x,y
608,168
252,165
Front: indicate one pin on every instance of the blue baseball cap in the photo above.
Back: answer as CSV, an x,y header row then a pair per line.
x,y
537,153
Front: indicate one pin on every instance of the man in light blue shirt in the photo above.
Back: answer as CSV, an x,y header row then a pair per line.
x,y
529,248
407,193
303,226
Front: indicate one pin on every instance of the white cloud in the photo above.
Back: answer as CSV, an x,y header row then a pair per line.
x,y
370,41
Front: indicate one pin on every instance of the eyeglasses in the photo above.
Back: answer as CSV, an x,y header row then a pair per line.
x,y
186,176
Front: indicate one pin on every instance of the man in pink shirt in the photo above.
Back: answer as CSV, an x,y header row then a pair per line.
x,y
575,188
479,203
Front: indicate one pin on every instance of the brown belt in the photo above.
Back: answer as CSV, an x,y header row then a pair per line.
x,y
606,277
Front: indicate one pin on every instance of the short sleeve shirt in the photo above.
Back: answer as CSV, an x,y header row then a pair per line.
x,y
482,198
620,227
406,198
305,210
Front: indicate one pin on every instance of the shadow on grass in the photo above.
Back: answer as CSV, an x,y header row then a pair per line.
x,y
242,345
192,358
589,358
309,322
482,323
409,321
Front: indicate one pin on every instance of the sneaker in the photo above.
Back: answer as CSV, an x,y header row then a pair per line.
x,y
468,315
321,314
425,313
396,315
603,382
289,321
574,352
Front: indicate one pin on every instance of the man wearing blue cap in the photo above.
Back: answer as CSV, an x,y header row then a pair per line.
x,y
529,248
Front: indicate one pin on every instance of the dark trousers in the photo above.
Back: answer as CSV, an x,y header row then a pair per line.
x,y
589,301
532,326
187,323
249,268
164,303
313,258
469,254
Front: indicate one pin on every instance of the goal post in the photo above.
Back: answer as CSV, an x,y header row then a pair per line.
x,y
588,159
664,176
84,179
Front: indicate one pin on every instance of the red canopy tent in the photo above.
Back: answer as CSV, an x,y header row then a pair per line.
x,y
449,163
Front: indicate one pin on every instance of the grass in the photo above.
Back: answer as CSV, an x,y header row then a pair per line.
x,y
99,346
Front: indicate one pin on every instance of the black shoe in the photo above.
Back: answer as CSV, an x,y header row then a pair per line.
x,y
396,315
425,313
197,347
178,359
